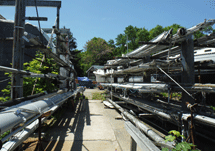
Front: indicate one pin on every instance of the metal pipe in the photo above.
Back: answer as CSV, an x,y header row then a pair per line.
x,y
146,107
24,134
21,136
19,100
200,119
144,48
208,39
160,87
18,129
143,127
13,116
31,74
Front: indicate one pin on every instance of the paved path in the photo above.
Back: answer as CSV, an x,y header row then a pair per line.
x,y
91,128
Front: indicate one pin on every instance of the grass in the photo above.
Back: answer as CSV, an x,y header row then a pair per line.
x,y
175,95
98,96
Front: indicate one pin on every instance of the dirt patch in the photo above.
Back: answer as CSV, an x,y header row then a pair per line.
x,y
89,92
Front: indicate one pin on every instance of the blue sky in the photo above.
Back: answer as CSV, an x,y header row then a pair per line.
x,y
108,18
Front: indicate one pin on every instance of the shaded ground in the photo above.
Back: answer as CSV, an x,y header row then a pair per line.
x,y
91,128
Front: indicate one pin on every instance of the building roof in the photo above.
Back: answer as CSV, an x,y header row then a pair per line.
x,y
94,67
1,17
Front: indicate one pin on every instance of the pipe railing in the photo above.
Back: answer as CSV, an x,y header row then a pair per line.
x,y
50,105
17,136
155,87
18,114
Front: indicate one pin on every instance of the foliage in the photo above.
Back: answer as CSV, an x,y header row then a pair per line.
x,y
98,96
164,94
212,107
6,91
97,52
156,31
182,146
4,134
205,31
111,43
42,84
175,95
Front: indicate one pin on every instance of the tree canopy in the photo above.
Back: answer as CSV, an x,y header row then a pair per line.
x,y
96,52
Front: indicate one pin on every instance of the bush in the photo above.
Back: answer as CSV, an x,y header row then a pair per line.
x,y
182,146
42,84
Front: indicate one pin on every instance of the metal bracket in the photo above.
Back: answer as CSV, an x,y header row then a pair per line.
x,y
25,38
16,86
19,27
36,18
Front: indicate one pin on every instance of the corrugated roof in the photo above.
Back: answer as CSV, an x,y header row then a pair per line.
x,y
1,17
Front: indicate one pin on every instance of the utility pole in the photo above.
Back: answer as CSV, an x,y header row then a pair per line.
x,y
18,49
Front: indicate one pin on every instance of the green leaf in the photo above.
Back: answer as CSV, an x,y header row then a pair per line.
x,y
183,146
176,133
165,149
170,138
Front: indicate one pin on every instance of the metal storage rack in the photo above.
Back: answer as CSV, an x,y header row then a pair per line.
x,y
172,57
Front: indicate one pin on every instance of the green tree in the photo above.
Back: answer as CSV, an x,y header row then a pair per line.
x,y
111,43
98,51
154,32
72,42
134,36
77,55
142,35
131,32
120,45
121,40
203,32
175,28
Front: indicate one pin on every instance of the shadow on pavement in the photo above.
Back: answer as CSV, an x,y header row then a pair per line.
x,y
65,126
78,125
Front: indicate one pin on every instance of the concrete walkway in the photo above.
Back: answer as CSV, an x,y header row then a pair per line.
x,y
91,128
